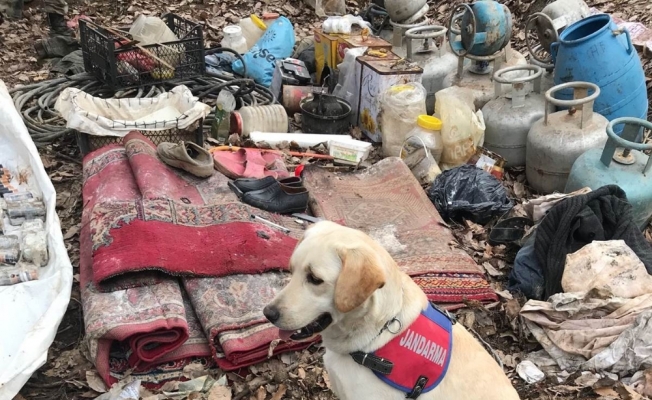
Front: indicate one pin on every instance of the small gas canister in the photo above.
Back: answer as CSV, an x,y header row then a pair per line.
x,y
558,139
630,171
289,72
509,117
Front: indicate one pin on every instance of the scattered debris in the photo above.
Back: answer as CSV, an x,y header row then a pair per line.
x,y
529,372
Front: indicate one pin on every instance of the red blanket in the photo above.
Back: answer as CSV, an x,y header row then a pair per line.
x,y
175,224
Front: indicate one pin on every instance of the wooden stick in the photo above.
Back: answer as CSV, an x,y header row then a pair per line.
x,y
141,48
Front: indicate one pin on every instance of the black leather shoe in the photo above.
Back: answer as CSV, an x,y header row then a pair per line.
x,y
242,186
278,198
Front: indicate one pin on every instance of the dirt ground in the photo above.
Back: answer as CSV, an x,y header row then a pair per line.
x,y
68,375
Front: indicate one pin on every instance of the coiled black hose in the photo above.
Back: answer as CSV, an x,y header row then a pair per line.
x,y
35,102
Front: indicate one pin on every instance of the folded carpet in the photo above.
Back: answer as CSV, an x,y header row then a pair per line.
x,y
178,224
170,366
231,318
387,202
149,323
231,311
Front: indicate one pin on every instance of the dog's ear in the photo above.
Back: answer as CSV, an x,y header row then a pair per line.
x,y
360,277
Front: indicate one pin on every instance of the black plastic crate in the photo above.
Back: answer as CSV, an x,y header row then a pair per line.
x,y
194,133
125,67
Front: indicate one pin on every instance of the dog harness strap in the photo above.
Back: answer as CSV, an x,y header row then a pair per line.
x,y
419,356
418,388
374,363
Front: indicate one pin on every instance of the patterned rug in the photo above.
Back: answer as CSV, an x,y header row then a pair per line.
x,y
230,310
170,366
387,202
148,325
146,302
150,217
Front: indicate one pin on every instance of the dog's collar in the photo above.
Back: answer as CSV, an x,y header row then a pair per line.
x,y
384,367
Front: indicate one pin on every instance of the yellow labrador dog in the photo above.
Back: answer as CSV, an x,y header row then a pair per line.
x,y
347,288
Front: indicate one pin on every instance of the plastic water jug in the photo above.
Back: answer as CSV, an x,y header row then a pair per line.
x,y
253,29
151,30
595,50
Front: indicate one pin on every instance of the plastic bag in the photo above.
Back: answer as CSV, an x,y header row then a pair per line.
x,y
348,84
324,8
400,106
468,192
463,129
276,44
343,24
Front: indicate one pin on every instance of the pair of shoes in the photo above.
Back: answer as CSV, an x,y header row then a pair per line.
x,y
250,163
286,196
188,156
242,186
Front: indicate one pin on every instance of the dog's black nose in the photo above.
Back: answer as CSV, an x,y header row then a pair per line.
x,y
271,313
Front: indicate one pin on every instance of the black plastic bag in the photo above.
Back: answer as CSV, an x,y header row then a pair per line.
x,y
468,192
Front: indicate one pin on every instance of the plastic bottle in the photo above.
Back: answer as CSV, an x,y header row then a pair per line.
x,y
429,130
224,106
233,39
271,118
343,24
252,29
151,30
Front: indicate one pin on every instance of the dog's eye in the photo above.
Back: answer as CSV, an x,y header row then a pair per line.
x,y
312,279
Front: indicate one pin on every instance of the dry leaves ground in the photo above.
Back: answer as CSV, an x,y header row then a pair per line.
x,y
68,375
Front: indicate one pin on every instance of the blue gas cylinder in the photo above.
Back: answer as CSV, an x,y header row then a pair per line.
x,y
485,28
595,50
630,169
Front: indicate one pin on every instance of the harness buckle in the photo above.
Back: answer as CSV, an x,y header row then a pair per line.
x,y
418,388
448,315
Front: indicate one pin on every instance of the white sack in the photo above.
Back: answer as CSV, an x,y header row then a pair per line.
x,y
31,311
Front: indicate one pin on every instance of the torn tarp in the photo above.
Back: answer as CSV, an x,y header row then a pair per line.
x,y
592,328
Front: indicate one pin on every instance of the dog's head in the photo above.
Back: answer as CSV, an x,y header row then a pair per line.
x,y
335,270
